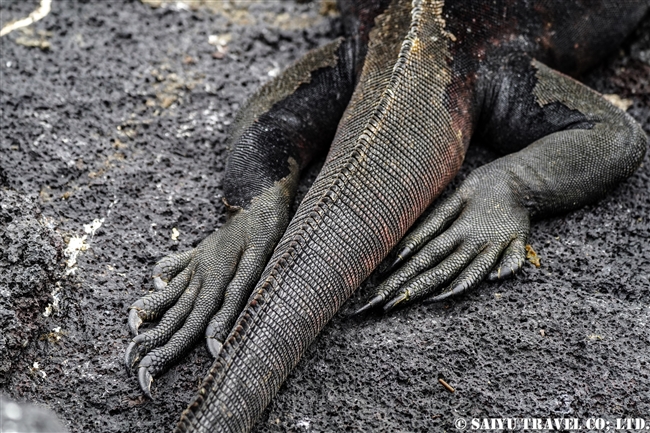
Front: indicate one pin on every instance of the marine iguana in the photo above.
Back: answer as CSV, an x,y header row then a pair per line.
x,y
400,96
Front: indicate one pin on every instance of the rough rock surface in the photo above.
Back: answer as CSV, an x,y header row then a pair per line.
x,y
117,133
30,273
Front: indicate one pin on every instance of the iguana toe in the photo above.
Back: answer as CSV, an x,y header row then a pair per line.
x,y
511,261
155,304
170,266
473,274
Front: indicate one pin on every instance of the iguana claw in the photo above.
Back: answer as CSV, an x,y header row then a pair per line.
x,y
214,346
134,316
131,356
374,302
396,300
404,254
144,378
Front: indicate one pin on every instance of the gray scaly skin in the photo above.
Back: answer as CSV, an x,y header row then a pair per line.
x,y
401,95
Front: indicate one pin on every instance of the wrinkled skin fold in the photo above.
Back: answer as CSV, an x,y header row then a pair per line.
x,y
399,99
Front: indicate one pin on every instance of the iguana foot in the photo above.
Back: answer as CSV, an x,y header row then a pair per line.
x,y
480,228
204,290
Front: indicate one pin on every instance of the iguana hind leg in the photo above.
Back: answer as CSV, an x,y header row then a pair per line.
x,y
570,146
202,291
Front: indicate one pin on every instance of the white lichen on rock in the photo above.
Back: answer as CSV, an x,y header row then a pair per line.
x,y
93,226
75,246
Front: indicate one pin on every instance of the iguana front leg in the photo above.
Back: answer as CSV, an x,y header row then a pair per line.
x,y
275,135
580,147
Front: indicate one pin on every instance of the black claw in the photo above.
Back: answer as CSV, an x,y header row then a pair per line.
x,y
438,298
134,318
131,356
145,379
396,300
362,309
133,351
214,346
448,294
501,274
461,288
157,270
505,273
159,283
402,256
374,302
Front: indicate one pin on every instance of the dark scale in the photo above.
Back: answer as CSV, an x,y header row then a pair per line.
x,y
395,102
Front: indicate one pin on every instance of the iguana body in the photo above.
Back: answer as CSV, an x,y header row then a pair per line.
x,y
401,95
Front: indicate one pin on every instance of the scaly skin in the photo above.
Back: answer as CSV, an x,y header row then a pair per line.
x,y
415,89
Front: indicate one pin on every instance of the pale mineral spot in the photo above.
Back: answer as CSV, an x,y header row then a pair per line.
x,y
220,39
304,424
93,226
53,307
34,39
36,369
75,246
